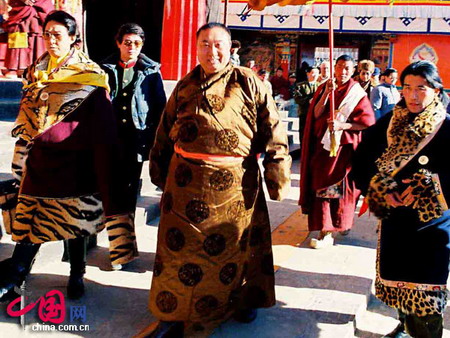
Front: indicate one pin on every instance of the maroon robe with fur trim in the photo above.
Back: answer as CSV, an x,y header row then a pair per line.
x,y
319,170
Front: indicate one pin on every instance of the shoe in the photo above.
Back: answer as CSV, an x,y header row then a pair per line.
x,y
75,287
325,240
398,332
246,315
16,269
345,232
168,330
116,267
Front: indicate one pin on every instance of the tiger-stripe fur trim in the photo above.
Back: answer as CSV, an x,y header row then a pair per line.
x,y
8,205
19,159
122,239
40,220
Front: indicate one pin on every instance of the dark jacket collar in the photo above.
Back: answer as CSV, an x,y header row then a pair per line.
x,y
144,63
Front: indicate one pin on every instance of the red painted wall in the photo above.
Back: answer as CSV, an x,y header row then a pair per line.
x,y
405,45
182,18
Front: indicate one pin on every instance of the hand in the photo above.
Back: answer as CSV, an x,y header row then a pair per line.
x,y
394,200
29,2
331,85
335,125
407,197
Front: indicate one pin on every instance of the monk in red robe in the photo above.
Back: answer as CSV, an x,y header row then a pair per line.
x,y
24,28
327,193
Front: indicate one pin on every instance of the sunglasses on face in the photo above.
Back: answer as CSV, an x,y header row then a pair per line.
x,y
130,43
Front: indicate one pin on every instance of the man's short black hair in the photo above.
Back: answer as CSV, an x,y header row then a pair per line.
x,y
130,28
345,58
235,44
211,25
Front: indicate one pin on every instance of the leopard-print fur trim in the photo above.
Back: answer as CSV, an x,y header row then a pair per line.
x,y
405,139
412,301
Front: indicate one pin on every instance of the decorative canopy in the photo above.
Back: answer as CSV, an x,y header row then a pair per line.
x,y
370,16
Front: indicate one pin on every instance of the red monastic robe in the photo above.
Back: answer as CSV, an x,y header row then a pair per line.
x,y
28,19
318,170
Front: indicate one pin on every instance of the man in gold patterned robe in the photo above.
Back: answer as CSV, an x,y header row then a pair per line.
x,y
214,256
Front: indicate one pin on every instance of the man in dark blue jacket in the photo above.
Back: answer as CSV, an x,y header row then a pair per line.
x,y
138,98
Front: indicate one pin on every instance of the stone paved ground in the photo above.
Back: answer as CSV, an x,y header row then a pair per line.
x,y
320,293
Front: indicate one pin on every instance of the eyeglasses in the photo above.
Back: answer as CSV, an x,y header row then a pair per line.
x,y
48,36
130,43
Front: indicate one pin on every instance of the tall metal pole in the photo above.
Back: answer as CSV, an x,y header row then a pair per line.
x,y
225,12
331,46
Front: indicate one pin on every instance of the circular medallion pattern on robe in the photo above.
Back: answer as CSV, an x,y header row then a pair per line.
x,y
206,305
236,210
183,175
221,180
188,131
167,202
197,210
190,274
214,244
227,140
228,273
216,103
166,302
157,266
175,239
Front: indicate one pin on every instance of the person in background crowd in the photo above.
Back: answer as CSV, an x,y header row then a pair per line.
x,y
280,85
291,105
24,28
301,72
327,193
303,95
324,72
234,57
400,168
385,96
214,255
66,160
252,65
264,76
365,71
376,77
138,98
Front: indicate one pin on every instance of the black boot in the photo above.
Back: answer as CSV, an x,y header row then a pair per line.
x,y
400,330
15,269
168,330
246,315
77,258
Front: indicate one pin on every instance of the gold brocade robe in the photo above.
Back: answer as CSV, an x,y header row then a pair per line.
x,y
214,250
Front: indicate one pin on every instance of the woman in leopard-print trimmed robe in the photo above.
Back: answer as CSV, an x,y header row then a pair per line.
x,y
401,168
214,252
